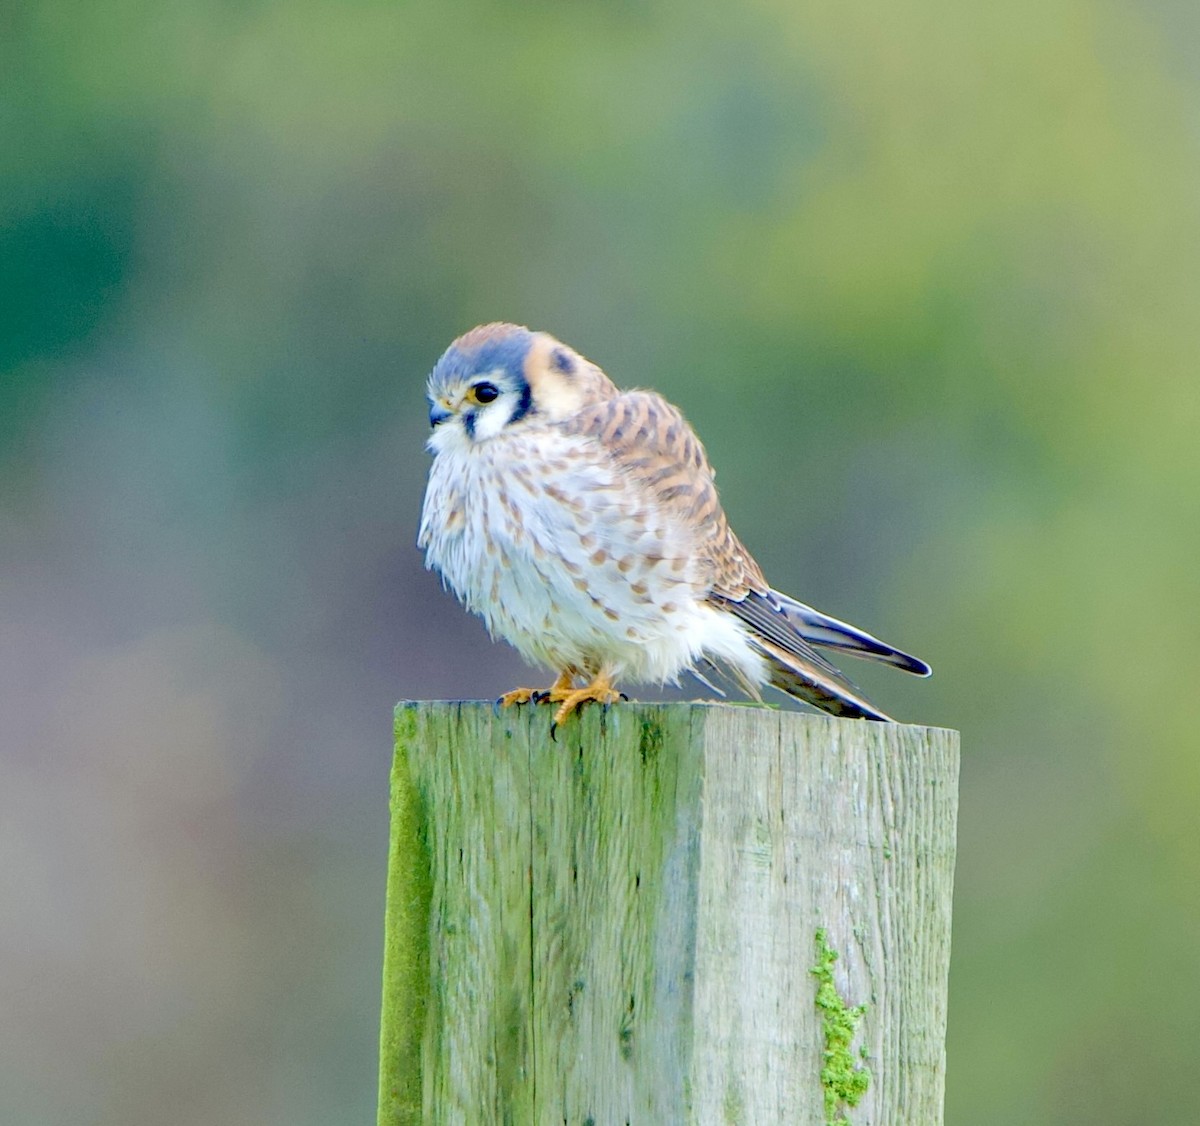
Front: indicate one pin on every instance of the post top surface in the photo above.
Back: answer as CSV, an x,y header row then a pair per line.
x,y
680,707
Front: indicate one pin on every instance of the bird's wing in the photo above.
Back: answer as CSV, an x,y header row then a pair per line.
x,y
655,448
830,633
793,665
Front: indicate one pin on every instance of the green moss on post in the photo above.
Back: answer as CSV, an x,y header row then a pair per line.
x,y
842,1080
406,941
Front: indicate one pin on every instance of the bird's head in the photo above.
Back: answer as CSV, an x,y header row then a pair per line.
x,y
499,376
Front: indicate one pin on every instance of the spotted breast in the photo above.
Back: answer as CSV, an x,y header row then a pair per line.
x,y
543,534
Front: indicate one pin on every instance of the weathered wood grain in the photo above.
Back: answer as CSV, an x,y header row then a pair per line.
x,y
619,927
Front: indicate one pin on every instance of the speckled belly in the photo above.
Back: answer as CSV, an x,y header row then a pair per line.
x,y
548,544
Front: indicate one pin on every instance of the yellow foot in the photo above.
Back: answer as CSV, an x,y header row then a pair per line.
x,y
600,691
520,696
557,691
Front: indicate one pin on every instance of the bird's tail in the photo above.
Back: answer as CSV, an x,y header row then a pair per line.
x,y
817,683
792,664
829,633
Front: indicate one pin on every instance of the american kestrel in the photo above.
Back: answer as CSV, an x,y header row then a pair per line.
x,y
582,524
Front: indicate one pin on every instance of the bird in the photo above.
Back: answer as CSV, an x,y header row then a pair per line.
x,y
581,522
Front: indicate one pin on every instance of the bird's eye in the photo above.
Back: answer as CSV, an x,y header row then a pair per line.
x,y
485,392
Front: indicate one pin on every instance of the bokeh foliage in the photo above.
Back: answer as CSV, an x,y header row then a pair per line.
x,y
926,278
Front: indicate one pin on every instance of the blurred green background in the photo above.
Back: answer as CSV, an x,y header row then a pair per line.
x,y
925,276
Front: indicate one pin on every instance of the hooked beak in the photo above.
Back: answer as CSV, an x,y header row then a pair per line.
x,y
438,412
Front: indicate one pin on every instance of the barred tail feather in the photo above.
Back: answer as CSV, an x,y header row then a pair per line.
x,y
815,684
792,664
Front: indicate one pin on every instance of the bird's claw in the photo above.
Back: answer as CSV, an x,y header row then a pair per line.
x,y
572,702
621,697
519,696
569,700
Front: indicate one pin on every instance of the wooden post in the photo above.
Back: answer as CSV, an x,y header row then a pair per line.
x,y
671,914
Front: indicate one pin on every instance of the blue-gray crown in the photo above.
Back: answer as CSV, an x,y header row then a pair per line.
x,y
484,349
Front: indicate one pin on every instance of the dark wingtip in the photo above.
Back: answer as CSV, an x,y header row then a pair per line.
x,y
914,665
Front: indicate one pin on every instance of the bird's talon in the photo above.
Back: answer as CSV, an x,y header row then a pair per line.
x,y
570,702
